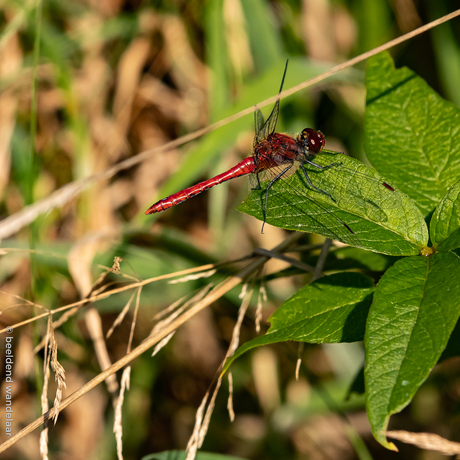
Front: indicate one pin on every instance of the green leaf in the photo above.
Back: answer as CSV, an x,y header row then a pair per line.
x,y
381,220
412,134
182,455
332,309
414,312
445,224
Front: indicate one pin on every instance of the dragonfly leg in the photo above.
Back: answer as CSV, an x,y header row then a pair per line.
x,y
332,165
310,183
277,177
258,183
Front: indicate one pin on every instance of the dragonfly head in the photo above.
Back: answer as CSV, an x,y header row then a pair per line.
x,y
312,140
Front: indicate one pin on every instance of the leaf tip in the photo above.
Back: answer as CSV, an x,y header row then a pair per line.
x,y
385,443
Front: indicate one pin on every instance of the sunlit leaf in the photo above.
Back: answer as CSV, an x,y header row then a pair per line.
x,y
332,309
377,218
445,223
414,311
412,134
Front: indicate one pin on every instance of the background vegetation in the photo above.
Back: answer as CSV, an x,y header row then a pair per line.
x,y
116,78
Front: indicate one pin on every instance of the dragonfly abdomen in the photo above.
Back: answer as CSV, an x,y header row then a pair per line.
x,y
247,166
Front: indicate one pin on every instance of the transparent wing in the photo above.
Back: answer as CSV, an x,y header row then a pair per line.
x,y
264,129
270,125
258,123
352,194
321,217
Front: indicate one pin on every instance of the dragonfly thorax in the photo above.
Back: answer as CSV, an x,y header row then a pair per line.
x,y
277,149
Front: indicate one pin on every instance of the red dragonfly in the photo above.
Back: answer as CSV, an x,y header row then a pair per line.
x,y
275,154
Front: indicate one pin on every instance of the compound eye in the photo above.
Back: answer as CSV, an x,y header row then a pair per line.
x,y
321,139
314,140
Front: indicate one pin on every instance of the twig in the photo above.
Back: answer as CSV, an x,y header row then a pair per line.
x,y
289,260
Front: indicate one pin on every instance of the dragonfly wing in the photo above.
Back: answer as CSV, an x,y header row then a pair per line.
x,y
320,218
258,123
270,125
263,130
355,183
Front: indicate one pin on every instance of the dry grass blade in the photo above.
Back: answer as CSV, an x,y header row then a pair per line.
x,y
94,325
192,445
202,423
59,372
119,319
427,441
241,314
231,412
153,339
95,298
14,223
8,107
300,349
168,310
95,290
261,298
175,310
117,425
134,321
124,385
194,277
24,303
162,343
44,396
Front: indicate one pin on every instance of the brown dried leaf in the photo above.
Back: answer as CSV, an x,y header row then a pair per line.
x,y
109,139
10,63
80,264
318,39
81,256
94,324
129,76
187,70
8,106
